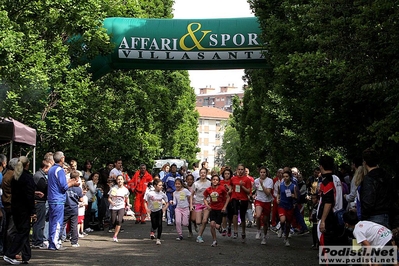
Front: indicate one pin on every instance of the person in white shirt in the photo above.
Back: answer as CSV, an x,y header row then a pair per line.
x,y
118,198
81,211
154,205
197,203
181,198
263,201
368,233
195,172
117,170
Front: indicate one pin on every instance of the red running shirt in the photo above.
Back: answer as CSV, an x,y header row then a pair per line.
x,y
217,197
237,191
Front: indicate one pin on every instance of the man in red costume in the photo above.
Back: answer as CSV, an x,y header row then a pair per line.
x,y
138,185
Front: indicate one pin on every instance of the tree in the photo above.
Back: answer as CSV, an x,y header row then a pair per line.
x,y
45,82
331,85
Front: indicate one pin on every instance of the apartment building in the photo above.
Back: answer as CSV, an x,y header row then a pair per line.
x,y
223,99
211,127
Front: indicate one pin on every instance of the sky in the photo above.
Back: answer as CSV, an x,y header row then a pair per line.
x,y
213,9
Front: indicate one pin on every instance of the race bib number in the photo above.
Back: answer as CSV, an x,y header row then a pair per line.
x,y
156,205
182,196
288,193
214,197
238,188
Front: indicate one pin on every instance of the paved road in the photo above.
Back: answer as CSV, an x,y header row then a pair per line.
x,y
136,248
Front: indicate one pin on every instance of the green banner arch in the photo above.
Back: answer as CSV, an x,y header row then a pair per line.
x,y
230,43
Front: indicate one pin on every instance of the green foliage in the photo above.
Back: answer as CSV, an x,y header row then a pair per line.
x,y
44,82
231,146
333,84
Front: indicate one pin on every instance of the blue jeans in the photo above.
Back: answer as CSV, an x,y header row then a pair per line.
x,y
382,219
46,227
38,227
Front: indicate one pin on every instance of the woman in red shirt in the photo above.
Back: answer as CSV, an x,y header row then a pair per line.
x,y
241,189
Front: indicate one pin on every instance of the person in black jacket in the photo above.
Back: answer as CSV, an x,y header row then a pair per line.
x,y
40,179
23,211
375,191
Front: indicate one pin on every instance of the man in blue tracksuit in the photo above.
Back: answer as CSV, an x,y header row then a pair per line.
x,y
169,181
56,196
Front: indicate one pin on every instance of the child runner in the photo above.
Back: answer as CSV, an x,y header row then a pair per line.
x,y
197,203
153,205
189,183
285,199
118,198
228,215
74,196
241,189
263,201
313,219
81,212
218,200
181,198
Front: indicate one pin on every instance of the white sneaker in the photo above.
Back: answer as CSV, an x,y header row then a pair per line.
x,y
292,232
263,241
199,239
287,243
115,239
258,235
11,261
81,235
280,233
76,245
158,242
214,243
278,226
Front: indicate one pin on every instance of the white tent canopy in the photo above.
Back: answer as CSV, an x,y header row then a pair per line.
x,y
12,131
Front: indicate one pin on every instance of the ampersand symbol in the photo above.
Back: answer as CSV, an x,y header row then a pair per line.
x,y
197,43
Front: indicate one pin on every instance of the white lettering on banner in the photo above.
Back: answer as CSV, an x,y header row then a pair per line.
x,y
181,55
239,40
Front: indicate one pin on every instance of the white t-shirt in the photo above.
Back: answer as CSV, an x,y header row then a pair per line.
x,y
147,190
91,190
118,196
338,194
260,194
154,200
195,174
180,198
276,188
82,206
199,188
378,235
115,173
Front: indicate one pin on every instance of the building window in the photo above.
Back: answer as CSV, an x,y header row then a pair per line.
x,y
217,136
217,123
